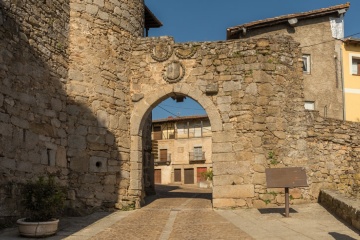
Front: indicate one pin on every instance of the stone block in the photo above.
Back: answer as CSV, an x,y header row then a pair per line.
x,y
56,104
77,142
100,3
240,168
61,160
22,123
104,90
109,180
259,178
234,191
78,162
223,203
223,157
98,164
92,9
212,89
222,148
259,204
223,137
7,163
227,180
6,129
23,166
89,179
224,100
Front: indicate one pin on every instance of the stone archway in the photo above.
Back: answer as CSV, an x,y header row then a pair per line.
x,y
142,110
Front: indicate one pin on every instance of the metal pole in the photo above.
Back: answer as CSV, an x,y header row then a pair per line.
x,y
287,202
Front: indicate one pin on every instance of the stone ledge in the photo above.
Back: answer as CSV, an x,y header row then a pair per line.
x,y
346,208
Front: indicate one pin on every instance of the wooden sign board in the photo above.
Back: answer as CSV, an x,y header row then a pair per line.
x,y
286,177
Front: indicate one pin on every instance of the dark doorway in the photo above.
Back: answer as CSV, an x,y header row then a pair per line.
x,y
189,176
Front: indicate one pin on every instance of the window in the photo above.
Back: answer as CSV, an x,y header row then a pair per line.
x,y
198,153
163,155
309,105
306,63
355,66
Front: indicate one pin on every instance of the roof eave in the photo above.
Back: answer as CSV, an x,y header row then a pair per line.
x,y
151,21
233,31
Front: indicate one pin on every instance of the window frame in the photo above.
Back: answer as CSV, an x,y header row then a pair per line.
x,y
309,102
307,58
353,57
198,155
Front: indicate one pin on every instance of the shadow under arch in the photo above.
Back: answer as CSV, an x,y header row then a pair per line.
x,y
140,114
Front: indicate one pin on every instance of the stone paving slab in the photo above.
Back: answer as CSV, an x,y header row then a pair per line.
x,y
186,213
307,221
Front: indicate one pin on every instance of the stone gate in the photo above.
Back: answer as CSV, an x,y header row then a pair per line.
x,y
78,83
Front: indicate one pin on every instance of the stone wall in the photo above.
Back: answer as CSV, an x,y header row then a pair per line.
x,y
64,105
100,43
254,87
78,83
333,152
33,65
252,91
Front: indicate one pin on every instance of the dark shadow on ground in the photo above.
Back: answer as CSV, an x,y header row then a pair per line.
x,y
67,227
339,236
276,210
179,191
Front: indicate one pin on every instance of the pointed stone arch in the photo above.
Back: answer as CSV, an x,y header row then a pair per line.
x,y
140,113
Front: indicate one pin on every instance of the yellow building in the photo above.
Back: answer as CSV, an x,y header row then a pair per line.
x,y
351,74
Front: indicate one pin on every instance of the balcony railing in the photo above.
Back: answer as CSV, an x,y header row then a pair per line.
x,y
167,161
197,157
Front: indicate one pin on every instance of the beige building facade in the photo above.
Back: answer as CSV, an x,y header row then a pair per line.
x,y
182,149
319,33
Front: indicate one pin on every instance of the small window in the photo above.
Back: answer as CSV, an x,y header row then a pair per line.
x,y
306,63
355,66
309,105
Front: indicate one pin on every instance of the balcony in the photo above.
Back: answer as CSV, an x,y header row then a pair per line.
x,y
165,161
197,157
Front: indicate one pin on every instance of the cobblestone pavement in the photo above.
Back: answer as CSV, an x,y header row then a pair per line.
x,y
178,213
186,213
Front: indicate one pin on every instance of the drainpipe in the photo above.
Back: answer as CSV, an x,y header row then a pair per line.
x,y
342,82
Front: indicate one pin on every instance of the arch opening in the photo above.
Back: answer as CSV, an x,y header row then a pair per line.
x,y
175,150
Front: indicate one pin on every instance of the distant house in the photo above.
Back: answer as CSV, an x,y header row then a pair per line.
x,y
351,73
181,148
318,33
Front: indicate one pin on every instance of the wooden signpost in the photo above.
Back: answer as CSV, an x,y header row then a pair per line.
x,y
286,178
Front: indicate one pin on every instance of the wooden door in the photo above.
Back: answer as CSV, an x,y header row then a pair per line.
x,y
189,176
157,176
177,175
199,175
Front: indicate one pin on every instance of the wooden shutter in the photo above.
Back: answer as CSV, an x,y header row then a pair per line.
x,y
177,175
189,176
163,155
157,176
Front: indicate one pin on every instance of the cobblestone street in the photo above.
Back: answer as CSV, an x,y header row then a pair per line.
x,y
178,213
185,212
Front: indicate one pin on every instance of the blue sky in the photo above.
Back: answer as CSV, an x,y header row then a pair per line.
x,y
207,20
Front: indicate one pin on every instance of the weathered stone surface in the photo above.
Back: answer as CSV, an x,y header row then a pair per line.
x,y
78,79
233,191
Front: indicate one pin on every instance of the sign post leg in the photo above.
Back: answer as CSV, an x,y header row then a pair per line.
x,y
286,202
